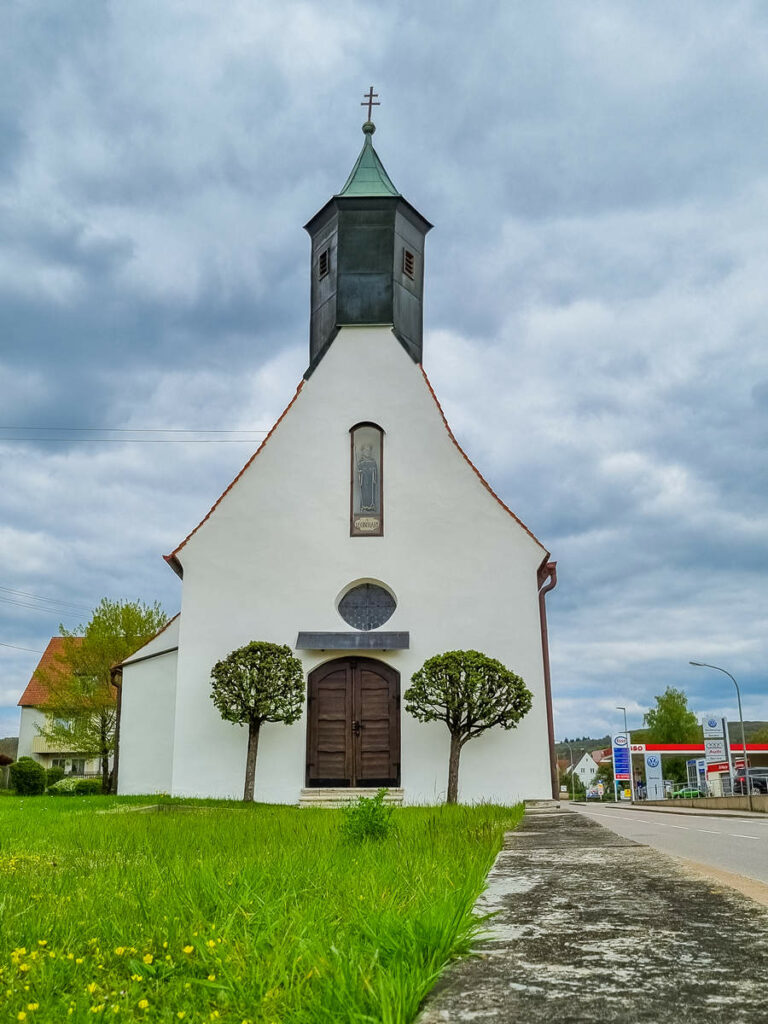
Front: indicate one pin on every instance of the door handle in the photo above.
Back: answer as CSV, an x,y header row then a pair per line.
x,y
356,727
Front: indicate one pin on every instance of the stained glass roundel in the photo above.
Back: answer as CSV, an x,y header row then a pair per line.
x,y
366,606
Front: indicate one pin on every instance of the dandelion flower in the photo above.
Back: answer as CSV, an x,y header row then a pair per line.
x,y
21,1015
136,977
147,958
120,950
42,942
211,977
143,1004
78,959
23,967
181,1014
211,943
91,987
189,949
32,1006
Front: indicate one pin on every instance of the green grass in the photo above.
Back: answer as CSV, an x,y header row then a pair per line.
x,y
229,912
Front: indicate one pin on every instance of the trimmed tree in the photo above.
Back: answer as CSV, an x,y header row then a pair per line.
x,y
258,683
471,693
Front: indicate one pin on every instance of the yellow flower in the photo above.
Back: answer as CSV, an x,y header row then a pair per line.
x,y
136,977
23,967
211,977
51,954
120,950
91,987
42,942
21,1016
165,945
32,1006
181,1014
189,949
147,958
214,1015
143,1004
97,1009
211,943
70,956
78,959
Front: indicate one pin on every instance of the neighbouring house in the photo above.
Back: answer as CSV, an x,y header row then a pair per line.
x,y
586,770
33,703
361,535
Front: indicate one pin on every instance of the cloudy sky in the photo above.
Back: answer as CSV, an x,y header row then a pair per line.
x,y
596,296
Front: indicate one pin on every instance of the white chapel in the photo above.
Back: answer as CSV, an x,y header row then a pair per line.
x,y
361,535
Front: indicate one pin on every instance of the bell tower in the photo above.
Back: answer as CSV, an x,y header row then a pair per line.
x,y
367,259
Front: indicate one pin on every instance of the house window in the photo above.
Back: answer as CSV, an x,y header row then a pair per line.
x,y
367,509
78,766
409,264
324,264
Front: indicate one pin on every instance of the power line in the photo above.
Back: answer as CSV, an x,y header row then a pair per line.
x,y
149,430
136,440
17,648
39,597
35,607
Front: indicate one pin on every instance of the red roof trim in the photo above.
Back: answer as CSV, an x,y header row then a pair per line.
x,y
471,464
172,559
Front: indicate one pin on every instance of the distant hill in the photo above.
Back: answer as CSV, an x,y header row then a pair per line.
x,y
10,746
586,744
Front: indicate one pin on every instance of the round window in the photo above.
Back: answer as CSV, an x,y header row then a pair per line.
x,y
366,606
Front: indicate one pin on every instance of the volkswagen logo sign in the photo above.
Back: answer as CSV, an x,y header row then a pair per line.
x,y
712,723
653,761
620,741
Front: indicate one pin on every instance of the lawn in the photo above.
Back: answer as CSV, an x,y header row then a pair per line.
x,y
231,913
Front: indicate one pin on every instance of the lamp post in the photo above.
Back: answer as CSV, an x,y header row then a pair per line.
x,y
570,750
747,783
629,752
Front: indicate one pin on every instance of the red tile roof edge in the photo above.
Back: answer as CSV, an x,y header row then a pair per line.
x,y
172,559
36,692
469,461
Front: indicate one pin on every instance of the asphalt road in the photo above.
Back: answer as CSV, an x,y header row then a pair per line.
x,y
737,845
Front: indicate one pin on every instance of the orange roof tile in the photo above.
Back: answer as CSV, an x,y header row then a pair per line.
x,y
36,693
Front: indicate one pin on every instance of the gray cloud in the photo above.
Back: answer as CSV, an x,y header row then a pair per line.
x,y
595,292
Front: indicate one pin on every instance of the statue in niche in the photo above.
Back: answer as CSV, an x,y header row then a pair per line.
x,y
368,479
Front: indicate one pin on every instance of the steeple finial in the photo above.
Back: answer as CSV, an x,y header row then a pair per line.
x,y
370,100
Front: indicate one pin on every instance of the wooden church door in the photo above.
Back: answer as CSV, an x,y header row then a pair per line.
x,y
353,734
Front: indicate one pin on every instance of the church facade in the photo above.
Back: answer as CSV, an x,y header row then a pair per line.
x,y
361,535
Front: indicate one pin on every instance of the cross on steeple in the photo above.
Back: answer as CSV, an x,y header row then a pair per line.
x,y
370,101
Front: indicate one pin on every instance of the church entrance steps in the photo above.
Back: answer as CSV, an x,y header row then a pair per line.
x,y
326,797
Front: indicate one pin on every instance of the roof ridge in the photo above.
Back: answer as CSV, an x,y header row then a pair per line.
x,y
480,476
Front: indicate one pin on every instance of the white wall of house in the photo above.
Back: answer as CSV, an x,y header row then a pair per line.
x,y
31,718
586,769
275,556
147,713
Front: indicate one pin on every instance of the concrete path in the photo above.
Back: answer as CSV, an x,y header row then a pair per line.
x,y
736,845
590,926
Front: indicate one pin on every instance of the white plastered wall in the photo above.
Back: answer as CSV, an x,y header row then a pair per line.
x,y
147,712
31,718
276,553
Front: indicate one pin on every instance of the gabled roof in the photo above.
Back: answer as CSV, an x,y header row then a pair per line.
x,y
368,177
36,694
175,564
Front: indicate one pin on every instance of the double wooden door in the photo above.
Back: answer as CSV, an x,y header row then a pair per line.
x,y
353,734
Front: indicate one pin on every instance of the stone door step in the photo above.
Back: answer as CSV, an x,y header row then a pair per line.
x,y
325,797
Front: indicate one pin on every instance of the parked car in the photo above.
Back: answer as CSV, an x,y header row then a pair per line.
x,y
688,792
758,778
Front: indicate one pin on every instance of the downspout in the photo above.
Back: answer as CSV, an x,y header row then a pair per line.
x,y
116,677
547,580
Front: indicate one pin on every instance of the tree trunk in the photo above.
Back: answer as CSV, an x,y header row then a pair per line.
x,y
250,764
104,759
453,769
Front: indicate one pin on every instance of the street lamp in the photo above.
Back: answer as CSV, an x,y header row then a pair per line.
x,y
629,752
747,783
570,749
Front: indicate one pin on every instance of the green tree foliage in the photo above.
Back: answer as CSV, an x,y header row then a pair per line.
x,y
81,711
471,693
28,777
672,721
258,683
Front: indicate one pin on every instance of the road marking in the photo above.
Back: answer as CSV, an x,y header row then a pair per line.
x,y
686,828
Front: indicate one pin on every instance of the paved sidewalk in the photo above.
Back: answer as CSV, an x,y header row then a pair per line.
x,y
592,927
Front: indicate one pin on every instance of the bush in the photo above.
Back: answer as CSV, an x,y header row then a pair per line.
x,y
368,819
28,777
53,775
72,786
